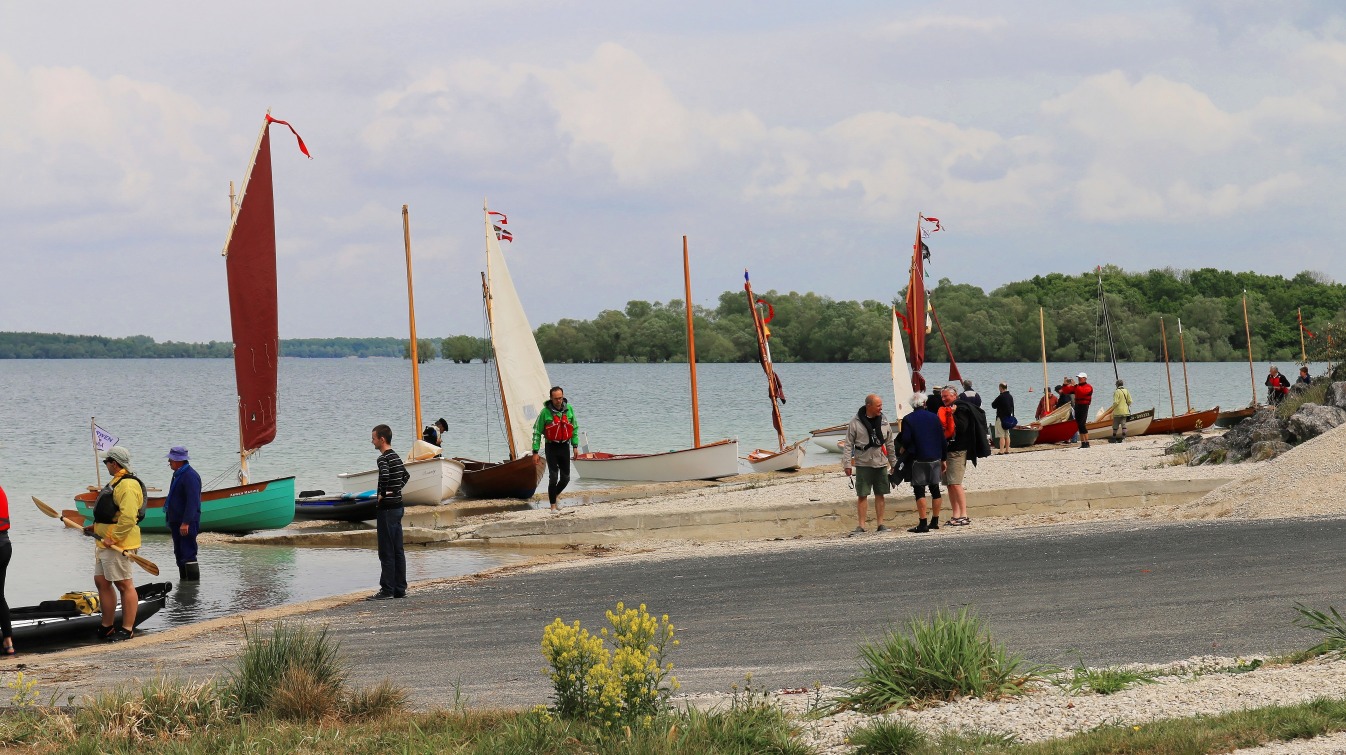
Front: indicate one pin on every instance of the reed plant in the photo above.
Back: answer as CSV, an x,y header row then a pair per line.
x,y
294,659
937,658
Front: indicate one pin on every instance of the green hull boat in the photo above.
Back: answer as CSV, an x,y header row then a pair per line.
x,y
265,505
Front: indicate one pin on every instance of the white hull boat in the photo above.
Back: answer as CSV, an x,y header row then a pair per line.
x,y
432,481
790,459
831,438
708,462
1136,425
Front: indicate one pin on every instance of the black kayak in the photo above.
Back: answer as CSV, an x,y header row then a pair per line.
x,y
336,507
57,620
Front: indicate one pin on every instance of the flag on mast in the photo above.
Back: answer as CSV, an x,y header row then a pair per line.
x,y
103,440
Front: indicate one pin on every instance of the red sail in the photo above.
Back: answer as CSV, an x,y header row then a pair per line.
x,y
251,265
916,305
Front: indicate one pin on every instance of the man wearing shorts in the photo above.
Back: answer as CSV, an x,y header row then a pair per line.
x,y
959,429
922,438
116,515
868,455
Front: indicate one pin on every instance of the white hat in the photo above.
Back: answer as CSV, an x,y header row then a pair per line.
x,y
1086,377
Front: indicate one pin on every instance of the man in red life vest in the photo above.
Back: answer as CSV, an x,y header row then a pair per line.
x,y
556,421
1083,394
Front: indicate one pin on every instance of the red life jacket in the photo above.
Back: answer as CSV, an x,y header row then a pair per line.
x,y
1083,392
4,511
560,429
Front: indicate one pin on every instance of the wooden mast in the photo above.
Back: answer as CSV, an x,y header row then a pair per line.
x,y
1187,392
499,381
1248,333
93,435
1107,324
1303,349
764,353
691,346
1163,333
1046,381
411,316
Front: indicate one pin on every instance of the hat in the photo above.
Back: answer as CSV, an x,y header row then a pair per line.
x,y
119,455
177,453
1082,375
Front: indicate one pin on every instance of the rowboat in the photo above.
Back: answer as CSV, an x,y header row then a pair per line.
x,y
831,438
700,462
1234,416
786,457
1184,423
1024,436
790,459
1136,425
337,507
243,508
54,621
519,373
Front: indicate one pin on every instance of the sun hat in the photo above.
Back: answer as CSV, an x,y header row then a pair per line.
x,y
120,455
1086,377
177,453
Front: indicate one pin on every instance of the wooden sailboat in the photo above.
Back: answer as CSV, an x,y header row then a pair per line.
x,y
250,264
700,462
433,477
786,457
1235,416
1190,420
1136,422
1054,425
521,377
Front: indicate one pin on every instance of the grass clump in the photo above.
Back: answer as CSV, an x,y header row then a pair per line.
x,y
294,662
1105,681
938,658
887,737
1329,624
162,707
1315,394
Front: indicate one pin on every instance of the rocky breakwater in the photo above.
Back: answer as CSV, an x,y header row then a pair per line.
x,y
1268,434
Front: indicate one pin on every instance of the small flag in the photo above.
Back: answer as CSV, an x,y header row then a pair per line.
x,y
1309,333
297,137
937,227
501,234
103,439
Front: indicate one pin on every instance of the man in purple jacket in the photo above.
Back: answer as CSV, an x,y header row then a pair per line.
x,y
182,511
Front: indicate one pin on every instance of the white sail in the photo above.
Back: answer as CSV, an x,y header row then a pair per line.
x,y
523,376
901,373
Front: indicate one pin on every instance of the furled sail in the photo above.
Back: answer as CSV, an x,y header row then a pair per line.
x,y
916,311
524,384
901,374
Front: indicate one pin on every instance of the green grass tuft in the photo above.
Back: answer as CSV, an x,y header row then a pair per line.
x,y
1105,681
1328,623
886,737
294,658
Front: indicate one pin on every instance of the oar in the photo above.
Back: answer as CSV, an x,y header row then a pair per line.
x,y
140,561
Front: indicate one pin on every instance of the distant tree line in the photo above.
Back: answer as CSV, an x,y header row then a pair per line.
x,y
1001,326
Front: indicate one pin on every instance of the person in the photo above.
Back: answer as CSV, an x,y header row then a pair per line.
x,y
116,517
1278,386
6,552
182,512
1121,410
869,456
434,434
1063,397
556,421
1304,378
1004,409
960,428
969,395
388,511
922,438
1082,394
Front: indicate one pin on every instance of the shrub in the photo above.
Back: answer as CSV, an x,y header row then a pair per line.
x,y
376,702
159,708
1315,393
941,657
1328,623
268,663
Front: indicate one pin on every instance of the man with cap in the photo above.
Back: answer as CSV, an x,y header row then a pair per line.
x,y
182,511
1082,394
116,516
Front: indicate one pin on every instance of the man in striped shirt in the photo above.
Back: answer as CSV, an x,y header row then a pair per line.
x,y
392,476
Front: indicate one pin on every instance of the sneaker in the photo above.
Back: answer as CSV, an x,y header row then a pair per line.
x,y
381,595
399,595
882,528
104,633
121,633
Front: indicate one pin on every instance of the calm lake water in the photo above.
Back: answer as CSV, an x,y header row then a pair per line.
x,y
327,407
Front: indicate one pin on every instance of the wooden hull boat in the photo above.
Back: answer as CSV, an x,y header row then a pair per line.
x,y
1023,437
790,459
708,462
54,621
1234,416
516,478
432,481
265,505
1184,423
831,438
1136,425
337,507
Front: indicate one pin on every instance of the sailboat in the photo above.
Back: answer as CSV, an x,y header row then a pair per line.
x,y
1054,426
1190,420
1235,416
786,457
433,477
1136,422
250,264
521,376
700,462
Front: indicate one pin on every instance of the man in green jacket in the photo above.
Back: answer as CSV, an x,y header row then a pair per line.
x,y
556,421
1121,411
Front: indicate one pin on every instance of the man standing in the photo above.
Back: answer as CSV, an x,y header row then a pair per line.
x,y
1082,394
922,438
182,511
1004,410
557,422
960,427
392,476
969,395
1121,409
869,455
116,517
1278,386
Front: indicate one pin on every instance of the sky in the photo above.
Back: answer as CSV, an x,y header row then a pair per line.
x,y
797,139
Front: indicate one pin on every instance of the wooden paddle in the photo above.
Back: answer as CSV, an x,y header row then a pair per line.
x,y
140,561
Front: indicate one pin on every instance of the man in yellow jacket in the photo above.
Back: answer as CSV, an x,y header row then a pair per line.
x,y
116,517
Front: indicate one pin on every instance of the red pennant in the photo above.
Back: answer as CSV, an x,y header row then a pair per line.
x,y
300,139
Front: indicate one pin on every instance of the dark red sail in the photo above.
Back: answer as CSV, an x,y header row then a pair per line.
x,y
916,304
251,265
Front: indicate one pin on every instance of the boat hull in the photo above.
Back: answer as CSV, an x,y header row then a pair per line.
x,y
1234,416
1136,425
265,505
1184,423
1023,437
432,481
790,459
516,478
58,620
1057,432
336,508
708,462
831,438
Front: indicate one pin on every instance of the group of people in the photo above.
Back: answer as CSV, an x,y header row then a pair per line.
x,y
1278,385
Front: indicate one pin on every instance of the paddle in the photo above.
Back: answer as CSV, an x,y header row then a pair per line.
x,y
140,561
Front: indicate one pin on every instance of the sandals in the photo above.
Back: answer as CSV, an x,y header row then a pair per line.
x,y
9,648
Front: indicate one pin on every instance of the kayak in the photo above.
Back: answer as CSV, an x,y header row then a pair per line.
x,y
338,507
62,620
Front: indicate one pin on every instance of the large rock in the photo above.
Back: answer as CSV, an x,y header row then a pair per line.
x,y
1336,395
1312,420
1210,450
1269,449
1182,445
1264,425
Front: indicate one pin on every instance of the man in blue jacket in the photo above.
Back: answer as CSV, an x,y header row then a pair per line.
x,y
922,438
182,511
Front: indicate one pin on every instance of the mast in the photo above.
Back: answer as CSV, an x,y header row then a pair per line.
x,y
1046,381
411,316
691,346
499,381
1248,333
1303,349
916,301
1163,334
93,436
1183,346
764,355
1107,324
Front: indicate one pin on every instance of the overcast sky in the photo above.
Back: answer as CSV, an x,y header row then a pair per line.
x,y
799,139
